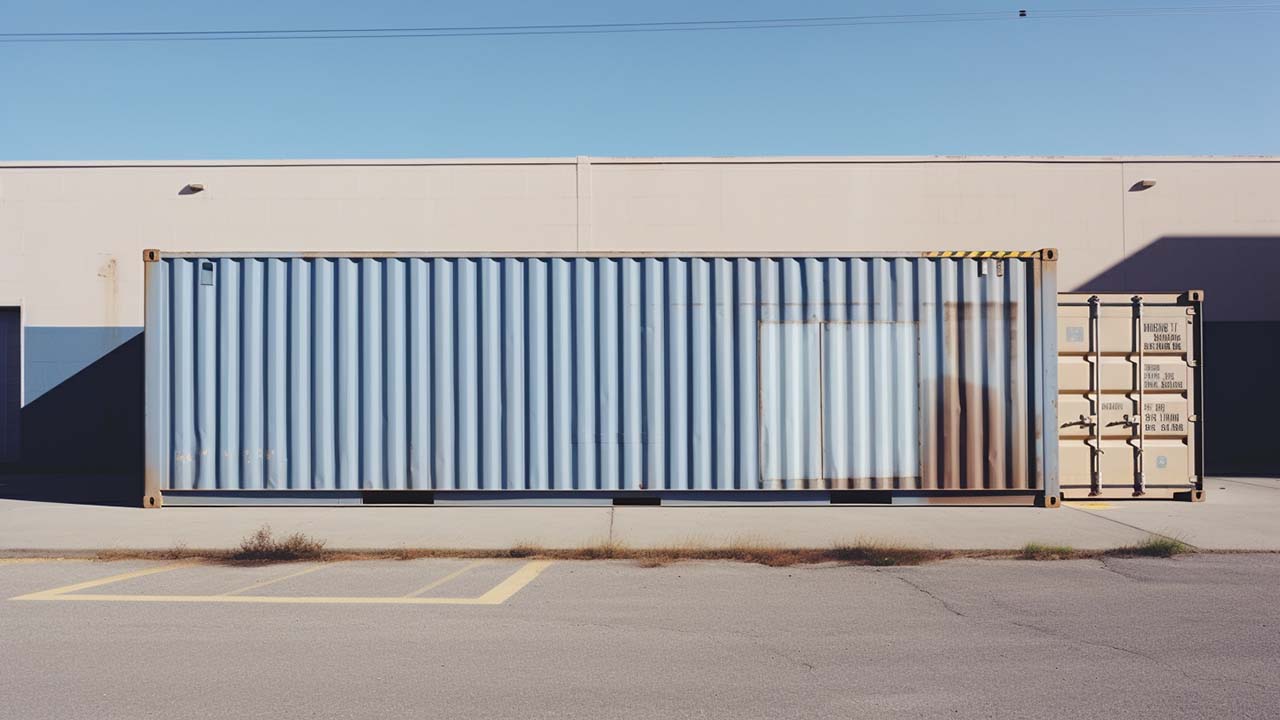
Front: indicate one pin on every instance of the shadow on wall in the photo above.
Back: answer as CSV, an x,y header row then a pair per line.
x,y
82,439
1229,269
1241,336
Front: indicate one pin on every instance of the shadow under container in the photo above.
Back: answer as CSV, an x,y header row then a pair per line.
x,y
390,377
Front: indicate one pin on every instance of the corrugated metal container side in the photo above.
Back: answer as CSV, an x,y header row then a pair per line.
x,y
304,373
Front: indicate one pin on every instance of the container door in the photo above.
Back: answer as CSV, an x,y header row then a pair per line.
x,y
10,382
1126,379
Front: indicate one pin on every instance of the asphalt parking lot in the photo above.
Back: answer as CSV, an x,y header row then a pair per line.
x,y
1197,636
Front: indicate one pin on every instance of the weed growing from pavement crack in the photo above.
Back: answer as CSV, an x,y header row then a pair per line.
x,y
1154,546
1040,551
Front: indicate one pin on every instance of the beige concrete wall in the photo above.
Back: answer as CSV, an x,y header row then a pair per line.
x,y
862,206
1214,226
71,239
71,236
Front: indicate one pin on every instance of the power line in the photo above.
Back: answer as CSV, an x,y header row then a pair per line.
x,y
499,28
629,27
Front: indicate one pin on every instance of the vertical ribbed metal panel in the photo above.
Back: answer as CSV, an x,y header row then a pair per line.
x,y
598,373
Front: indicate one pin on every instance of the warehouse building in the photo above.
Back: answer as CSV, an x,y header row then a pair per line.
x,y
72,237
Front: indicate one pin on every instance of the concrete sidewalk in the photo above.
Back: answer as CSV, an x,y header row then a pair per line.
x,y
1239,514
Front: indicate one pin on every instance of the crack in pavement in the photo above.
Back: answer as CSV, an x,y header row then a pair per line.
x,y
1129,651
1131,527
1078,641
937,598
1126,576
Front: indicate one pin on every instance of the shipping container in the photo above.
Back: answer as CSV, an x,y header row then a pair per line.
x,y
1106,343
911,377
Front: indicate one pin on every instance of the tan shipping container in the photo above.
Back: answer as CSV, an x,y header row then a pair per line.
x,y
1104,451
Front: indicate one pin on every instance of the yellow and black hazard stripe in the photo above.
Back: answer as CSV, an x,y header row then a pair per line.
x,y
983,253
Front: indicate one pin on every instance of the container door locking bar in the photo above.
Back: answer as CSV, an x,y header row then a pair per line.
x,y
1139,477
1095,419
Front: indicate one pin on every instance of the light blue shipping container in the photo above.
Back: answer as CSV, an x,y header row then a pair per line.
x,y
302,375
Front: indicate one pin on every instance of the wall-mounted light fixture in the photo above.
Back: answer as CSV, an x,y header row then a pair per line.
x,y
1145,184
191,189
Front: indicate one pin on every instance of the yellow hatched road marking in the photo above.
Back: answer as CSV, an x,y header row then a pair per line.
x,y
437,583
282,578
496,596
1090,505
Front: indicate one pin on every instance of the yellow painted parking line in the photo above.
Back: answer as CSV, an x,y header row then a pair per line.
x,y
498,595
514,584
60,591
272,581
437,583
1090,505
35,560
271,599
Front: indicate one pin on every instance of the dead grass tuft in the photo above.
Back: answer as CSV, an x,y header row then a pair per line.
x,y
524,550
881,555
263,546
607,550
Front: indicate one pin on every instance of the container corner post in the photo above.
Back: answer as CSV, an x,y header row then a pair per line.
x,y
1047,362
154,386
152,499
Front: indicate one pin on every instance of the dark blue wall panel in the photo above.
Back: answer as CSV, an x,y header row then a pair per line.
x,y
10,382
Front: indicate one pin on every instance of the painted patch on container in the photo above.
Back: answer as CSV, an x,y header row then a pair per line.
x,y
852,386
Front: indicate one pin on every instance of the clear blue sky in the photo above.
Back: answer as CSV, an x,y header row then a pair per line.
x,y
1203,84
